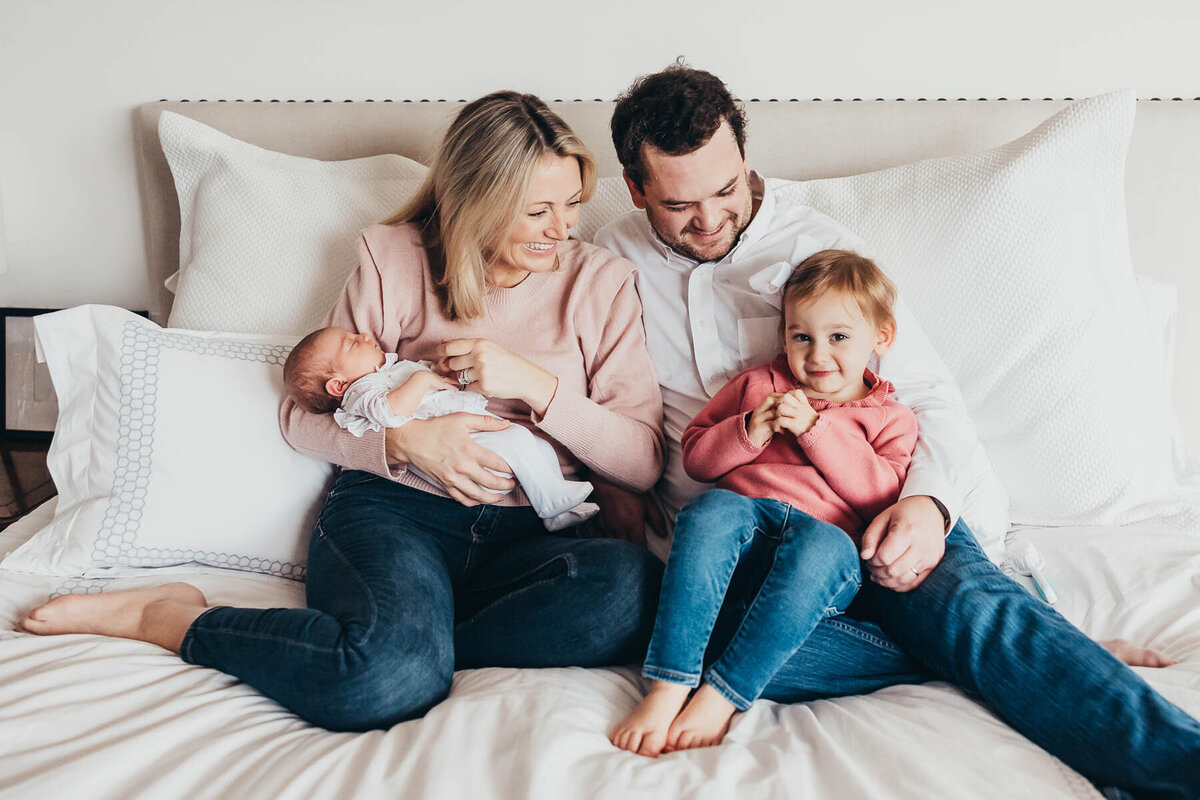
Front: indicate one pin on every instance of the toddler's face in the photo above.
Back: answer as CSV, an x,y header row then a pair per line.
x,y
352,355
828,341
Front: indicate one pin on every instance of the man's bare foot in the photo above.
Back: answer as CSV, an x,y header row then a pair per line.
x,y
644,731
703,721
160,615
1136,656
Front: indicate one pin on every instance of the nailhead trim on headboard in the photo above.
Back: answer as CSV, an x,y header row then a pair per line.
x,y
752,100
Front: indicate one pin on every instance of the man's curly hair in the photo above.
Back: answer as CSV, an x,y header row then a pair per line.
x,y
677,111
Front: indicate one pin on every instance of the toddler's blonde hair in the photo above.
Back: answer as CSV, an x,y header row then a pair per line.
x,y
844,271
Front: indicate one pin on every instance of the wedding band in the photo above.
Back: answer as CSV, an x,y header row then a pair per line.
x,y
915,571
462,377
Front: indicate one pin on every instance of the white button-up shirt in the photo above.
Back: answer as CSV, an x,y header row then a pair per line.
x,y
705,322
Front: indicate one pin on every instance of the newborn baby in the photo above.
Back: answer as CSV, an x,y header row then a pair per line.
x,y
335,370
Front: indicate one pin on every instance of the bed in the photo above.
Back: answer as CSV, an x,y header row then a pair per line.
x,y
110,718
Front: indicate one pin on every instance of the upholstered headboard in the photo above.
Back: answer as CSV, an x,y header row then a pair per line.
x,y
788,139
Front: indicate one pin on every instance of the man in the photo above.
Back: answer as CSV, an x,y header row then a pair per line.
x,y
706,227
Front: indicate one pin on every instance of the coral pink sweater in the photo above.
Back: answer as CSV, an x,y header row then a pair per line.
x,y
845,470
582,323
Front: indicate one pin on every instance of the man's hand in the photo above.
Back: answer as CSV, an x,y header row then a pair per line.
x,y
443,450
624,515
761,425
904,543
794,413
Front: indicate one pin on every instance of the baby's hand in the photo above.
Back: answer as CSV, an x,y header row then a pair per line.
x,y
761,425
794,414
436,381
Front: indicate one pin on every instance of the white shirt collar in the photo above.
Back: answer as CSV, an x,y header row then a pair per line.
x,y
759,226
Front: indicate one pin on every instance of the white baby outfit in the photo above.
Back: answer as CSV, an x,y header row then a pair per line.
x,y
558,501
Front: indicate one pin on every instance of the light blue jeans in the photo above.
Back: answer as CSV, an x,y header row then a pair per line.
x,y
812,572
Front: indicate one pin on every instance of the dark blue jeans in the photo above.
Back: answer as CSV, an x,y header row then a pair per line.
x,y
404,586
970,624
812,573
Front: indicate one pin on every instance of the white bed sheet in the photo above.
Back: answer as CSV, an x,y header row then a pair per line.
x,y
86,716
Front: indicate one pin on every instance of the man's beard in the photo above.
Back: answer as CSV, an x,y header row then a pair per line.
x,y
682,246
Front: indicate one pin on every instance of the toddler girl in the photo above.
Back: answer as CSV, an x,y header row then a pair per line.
x,y
335,370
804,451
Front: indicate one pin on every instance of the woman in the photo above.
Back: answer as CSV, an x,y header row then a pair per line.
x,y
477,274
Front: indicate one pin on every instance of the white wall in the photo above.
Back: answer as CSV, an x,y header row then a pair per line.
x,y
71,71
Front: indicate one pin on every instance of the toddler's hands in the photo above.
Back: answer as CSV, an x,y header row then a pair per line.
x,y
794,414
761,425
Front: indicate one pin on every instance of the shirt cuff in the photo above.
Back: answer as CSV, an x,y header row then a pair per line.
x,y
932,484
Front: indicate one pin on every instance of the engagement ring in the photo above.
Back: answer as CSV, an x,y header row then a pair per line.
x,y
915,571
462,377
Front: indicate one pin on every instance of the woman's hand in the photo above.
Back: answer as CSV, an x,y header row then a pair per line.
x,y
794,413
494,371
443,450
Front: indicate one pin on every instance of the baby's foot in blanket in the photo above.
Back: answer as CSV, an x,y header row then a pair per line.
x,y
645,730
703,722
123,614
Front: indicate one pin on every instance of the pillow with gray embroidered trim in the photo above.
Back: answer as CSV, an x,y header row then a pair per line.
x,y
168,451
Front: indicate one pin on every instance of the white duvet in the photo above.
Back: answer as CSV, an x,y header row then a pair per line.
x,y
91,717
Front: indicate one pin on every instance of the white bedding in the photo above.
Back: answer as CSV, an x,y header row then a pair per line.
x,y
84,716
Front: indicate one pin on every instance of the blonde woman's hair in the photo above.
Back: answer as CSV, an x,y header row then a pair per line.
x,y
844,271
478,186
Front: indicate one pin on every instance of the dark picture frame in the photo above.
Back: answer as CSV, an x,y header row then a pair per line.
x,y
28,407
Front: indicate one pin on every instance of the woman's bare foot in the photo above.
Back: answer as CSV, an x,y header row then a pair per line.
x,y
160,615
644,731
703,721
1136,656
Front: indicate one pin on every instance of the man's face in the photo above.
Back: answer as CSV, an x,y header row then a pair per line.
x,y
698,203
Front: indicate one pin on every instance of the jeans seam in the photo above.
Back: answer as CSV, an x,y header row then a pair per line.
x,y
365,588
572,572
878,641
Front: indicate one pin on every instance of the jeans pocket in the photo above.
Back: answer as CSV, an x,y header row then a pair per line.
x,y
349,479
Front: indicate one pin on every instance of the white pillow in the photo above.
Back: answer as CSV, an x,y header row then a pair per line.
x,y
168,451
610,200
1016,262
266,239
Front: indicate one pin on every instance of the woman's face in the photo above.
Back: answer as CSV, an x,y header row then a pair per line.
x,y
553,209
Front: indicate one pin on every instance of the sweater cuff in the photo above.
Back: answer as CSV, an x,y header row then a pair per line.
x,y
570,419
813,435
743,436
369,453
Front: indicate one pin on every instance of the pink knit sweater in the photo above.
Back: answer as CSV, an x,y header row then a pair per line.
x,y
581,323
845,470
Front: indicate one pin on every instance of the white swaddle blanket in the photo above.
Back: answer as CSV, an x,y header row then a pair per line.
x,y
558,501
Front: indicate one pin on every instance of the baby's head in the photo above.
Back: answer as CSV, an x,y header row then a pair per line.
x,y
323,364
837,312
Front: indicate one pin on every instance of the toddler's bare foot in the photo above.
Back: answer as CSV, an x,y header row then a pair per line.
x,y
644,731
148,615
1136,656
703,721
